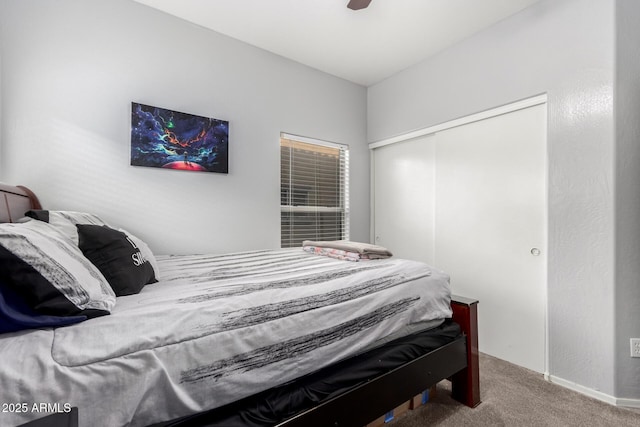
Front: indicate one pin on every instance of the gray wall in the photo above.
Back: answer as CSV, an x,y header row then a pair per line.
x,y
564,48
627,117
70,70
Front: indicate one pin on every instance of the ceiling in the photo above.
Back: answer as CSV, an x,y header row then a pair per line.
x,y
364,46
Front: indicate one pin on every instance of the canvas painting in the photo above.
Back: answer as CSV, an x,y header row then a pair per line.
x,y
170,139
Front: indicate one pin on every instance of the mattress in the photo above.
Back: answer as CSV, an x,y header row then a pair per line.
x,y
270,408
215,329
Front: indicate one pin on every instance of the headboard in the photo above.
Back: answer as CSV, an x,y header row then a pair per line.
x,y
15,201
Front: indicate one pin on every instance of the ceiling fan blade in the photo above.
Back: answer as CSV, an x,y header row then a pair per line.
x,y
358,4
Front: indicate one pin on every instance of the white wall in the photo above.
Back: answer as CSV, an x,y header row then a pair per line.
x,y
564,48
70,70
627,116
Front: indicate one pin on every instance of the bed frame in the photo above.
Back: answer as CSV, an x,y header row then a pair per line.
x,y
15,201
456,361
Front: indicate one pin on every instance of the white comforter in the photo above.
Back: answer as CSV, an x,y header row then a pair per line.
x,y
215,329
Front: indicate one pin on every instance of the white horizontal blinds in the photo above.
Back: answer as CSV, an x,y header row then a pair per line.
x,y
313,190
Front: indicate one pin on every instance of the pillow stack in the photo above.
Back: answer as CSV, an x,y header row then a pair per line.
x,y
49,273
65,267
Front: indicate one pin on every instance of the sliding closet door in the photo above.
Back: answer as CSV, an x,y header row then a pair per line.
x,y
490,218
403,175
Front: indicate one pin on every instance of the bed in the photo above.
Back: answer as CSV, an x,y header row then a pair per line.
x,y
266,337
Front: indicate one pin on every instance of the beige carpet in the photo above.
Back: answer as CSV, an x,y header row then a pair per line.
x,y
514,396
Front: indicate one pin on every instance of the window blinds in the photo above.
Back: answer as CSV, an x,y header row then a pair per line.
x,y
314,193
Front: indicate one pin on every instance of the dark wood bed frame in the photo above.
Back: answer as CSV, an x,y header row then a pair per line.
x,y
456,361
14,200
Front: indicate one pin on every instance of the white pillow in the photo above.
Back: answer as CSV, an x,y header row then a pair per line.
x,y
65,221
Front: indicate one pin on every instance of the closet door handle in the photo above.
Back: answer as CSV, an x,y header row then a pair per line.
x,y
535,252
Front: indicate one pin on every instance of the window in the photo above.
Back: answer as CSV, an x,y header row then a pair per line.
x,y
314,190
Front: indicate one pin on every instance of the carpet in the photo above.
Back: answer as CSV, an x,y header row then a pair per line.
x,y
515,396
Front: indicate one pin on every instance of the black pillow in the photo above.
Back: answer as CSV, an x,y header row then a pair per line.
x,y
16,315
117,257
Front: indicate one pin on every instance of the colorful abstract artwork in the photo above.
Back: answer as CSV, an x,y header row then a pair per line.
x,y
162,138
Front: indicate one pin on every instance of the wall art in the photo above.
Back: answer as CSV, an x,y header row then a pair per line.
x,y
162,138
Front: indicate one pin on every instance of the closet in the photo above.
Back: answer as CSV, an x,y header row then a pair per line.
x,y
469,198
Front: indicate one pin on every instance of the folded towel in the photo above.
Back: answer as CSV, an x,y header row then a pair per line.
x,y
335,253
348,246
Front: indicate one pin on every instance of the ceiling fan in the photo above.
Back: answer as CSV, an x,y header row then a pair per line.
x,y
358,4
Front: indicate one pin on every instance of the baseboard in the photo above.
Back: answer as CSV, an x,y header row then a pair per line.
x,y
629,403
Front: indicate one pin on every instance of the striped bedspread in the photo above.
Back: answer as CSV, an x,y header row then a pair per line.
x,y
214,329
